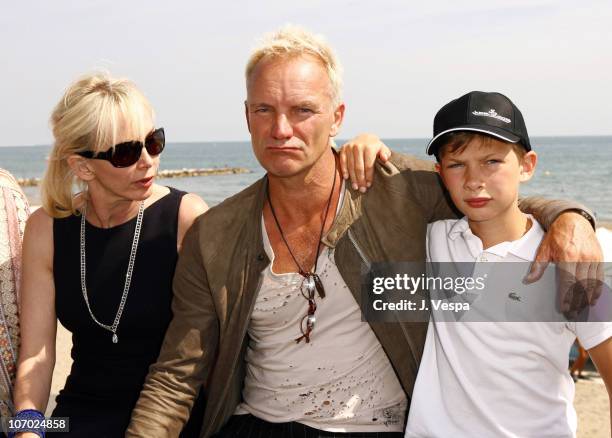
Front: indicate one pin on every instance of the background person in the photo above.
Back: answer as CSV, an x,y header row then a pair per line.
x,y
580,360
14,211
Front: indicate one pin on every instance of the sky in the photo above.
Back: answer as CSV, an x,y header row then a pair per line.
x,y
403,60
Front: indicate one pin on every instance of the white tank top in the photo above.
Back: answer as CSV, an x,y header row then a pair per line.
x,y
342,381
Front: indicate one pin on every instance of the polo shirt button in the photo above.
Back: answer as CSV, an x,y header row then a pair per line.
x,y
260,257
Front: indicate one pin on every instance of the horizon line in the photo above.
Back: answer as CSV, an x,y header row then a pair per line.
x,y
340,138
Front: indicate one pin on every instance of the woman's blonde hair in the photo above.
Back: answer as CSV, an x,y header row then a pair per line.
x,y
291,41
89,117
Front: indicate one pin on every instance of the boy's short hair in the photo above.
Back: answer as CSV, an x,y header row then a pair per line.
x,y
457,141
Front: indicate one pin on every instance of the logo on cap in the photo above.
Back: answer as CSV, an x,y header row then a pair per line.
x,y
493,114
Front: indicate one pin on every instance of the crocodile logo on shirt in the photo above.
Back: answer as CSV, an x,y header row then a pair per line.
x,y
514,296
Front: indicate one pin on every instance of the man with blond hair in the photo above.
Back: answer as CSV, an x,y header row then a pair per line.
x,y
267,287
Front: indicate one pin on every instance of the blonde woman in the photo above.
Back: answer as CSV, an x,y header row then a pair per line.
x,y
101,262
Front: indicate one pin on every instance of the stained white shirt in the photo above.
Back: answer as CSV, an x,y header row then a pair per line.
x,y
342,381
495,379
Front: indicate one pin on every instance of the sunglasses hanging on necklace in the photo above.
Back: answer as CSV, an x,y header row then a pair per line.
x,y
311,280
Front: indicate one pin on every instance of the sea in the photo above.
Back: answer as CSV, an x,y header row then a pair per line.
x,y
576,168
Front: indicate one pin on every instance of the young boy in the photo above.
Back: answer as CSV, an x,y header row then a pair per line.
x,y
494,379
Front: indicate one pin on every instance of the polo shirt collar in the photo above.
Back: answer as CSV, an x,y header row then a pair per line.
x,y
524,248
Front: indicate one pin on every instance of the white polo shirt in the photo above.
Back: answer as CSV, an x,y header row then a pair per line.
x,y
495,379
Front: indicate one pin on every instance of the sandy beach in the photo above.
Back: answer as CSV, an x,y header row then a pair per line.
x,y
591,402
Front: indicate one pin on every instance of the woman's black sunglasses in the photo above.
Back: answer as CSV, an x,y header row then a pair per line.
x,y
128,153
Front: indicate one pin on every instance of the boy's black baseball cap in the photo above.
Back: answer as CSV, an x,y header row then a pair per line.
x,y
487,113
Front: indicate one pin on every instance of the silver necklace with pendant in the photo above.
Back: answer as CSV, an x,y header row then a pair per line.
x,y
128,276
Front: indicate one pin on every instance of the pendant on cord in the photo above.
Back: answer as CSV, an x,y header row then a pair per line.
x,y
313,282
115,338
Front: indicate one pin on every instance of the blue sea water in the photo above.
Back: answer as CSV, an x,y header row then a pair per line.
x,y
578,168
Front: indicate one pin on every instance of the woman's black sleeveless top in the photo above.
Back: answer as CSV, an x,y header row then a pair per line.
x,y
106,376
